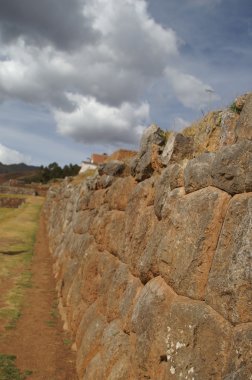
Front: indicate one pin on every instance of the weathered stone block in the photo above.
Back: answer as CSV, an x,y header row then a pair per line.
x,y
227,127
232,167
89,337
117,286
83,201
152,143
229,289
118,194
106,228
197,341
95,369
240,358
82,220
170,179
117,349
122,370
177,148
113,168
151,135
149,322
147,163
189,239
244,124
75,307
197,173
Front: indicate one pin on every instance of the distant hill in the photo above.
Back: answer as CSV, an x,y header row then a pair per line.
x,y
16,171
16,168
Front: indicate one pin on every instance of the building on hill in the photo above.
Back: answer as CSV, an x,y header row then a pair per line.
x,y
122,154
87,165
98,159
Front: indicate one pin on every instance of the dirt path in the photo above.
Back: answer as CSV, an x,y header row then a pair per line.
x,y
38,341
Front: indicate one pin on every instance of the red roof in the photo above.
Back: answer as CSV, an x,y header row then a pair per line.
x,y
98,158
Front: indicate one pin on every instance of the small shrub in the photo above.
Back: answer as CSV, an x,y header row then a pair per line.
x,y
8,370
234,108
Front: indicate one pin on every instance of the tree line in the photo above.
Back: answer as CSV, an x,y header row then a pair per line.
x,y
53,171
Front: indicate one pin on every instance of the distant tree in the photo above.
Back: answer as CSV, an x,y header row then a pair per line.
x,y
53,171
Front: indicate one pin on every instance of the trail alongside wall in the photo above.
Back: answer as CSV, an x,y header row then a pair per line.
x,y
37,340
153,269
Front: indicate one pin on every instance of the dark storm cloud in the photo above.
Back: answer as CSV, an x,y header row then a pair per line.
x,y
104,68
60,23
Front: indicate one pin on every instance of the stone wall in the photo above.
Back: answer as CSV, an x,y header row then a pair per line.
x,y
16,190
11,202
154,268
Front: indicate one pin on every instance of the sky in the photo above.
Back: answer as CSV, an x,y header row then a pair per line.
x,y
85,76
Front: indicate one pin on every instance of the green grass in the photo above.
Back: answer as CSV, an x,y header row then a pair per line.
x,y
18,226
234,108
54,315
17,231
67,341
51,323
9,371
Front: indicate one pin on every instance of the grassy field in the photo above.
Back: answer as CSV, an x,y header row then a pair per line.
x,y
17,235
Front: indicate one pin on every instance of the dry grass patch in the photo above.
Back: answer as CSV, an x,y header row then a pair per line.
x,y
17,235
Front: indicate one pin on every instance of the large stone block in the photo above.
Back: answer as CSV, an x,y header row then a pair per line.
x,y
170,179
189,239
117,353
197,341
232,168
147,264
118,194
152,143
95,369
229,289
89,337
244,124
75,306
108,229
90,275
137,236
113,168
197,174
144,166
177,148
82,220
227,127
115,290
96,199
83,199
122,370
149,323
128,300
240,358
140,220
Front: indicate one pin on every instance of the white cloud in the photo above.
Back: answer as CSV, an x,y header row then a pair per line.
x,y
132,50
94,122
94,90
190,91
11,156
